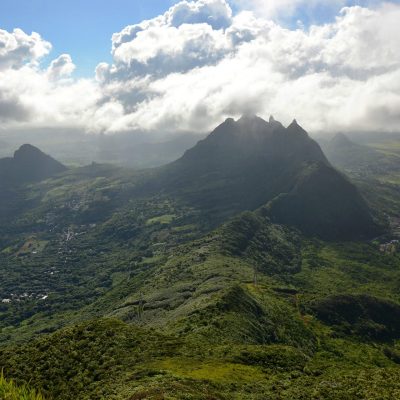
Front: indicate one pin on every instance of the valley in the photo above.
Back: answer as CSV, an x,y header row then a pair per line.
x,y
250,268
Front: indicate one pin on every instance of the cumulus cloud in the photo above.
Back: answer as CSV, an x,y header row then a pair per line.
x,y
18,48
61,67
11,108
328,76
199,63
32,96
216,13
286,8
190,34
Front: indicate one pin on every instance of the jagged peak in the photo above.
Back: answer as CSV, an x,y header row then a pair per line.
x,y
296,129
274,123
252,123
294,125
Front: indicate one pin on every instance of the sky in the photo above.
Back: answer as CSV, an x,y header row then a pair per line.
x,y
166,66
81,28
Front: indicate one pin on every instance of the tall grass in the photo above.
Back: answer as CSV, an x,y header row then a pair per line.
x,y
10,391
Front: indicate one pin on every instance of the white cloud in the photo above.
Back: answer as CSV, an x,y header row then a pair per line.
x,y
61,67
328,76
31,96
167,49
197,64
18,48
216,13
286,8
190,34
11,108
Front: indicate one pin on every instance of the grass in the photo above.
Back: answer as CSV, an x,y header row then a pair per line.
x,y
391,179
32,246
211,370
390,147
163,220
183,228
10,391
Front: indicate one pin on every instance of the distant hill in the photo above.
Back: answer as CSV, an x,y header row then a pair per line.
x,y
343,153
245,164
29,164
131,149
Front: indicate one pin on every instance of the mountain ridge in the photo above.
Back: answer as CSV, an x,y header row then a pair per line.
x,y
248,163
112,291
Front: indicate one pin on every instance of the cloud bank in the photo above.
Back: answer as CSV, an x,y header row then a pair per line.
x,y
199,63
273,9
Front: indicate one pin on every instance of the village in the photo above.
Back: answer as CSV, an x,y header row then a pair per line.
x,y
392,246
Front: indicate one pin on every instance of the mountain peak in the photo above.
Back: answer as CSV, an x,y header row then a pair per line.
x,y
250,118
229,120
294,127
29,164
27,150
274,123
251,136
341,139
249,163
256,123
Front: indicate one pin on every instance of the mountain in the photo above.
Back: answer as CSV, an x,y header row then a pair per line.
x,y
110,290
250,163
325,203
29,164
343,153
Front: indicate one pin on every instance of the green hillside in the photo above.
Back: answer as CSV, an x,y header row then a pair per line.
x,y
114,287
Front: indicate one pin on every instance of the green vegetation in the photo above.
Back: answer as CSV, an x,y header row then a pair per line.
x,y
10,391
235,323
111,289
163,220
90,358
